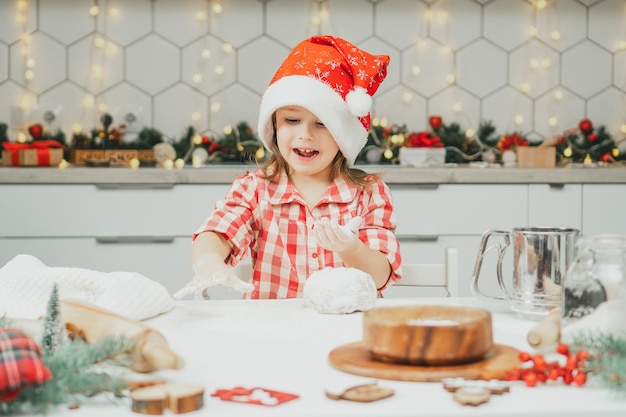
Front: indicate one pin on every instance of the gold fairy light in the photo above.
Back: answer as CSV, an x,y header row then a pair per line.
x,y
22,5
545,63
99,42
227,48
383,122
29,74
88,101
553,121
217,8
407,97
215,107
260,153
457,107
228,129
197,78
450,78
63,164
197,139
555,35
114,12
200,16
534,63
219,69
615,152
168,164
558,95
94,10
541,4
195,116
388,154
205,53
376,121
26,103
179,163
428,15
567,152
469,133
519,119
532,31
622,128
134,163
103,107
416,70
21,137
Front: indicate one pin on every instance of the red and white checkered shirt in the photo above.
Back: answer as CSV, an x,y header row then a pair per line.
x,y
272,220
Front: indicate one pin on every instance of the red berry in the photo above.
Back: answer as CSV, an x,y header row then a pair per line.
x,y
531,379
571,364
567,378
563,349
580,378
582,355
554,374
524,356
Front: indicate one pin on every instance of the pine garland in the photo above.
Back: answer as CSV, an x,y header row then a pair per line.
x,y
608,359
78,367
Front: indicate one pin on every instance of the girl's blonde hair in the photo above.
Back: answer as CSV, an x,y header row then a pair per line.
x,y
276,164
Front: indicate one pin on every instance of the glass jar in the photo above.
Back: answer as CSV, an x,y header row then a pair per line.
x,y
594,291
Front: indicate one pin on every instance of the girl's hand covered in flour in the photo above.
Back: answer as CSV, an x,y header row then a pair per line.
x,y
213,271
335,237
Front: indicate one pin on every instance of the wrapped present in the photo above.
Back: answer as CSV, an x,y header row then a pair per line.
x,y
536,156
113,156
38,153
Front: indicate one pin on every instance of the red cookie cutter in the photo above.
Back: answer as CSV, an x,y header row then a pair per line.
x,y
256,395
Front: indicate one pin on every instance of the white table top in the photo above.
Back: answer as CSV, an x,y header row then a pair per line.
x,y
282,345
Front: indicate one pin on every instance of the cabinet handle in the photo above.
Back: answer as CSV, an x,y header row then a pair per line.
x,y
556,186
134,239
418,238
124,186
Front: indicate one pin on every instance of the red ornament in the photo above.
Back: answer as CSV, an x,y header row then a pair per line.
x,y
592,137
585,126
435,122
36,131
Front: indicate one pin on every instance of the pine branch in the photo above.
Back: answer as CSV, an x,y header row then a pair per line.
x,y
608,359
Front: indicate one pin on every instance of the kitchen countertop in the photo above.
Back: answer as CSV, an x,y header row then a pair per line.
x,y
224,174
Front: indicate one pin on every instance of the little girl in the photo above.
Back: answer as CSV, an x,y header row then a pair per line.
x,y
306,208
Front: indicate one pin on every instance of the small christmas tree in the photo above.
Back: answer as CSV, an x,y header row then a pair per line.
x,y
54,328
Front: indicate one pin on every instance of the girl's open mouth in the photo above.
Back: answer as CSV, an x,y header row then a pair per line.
x,y
305,153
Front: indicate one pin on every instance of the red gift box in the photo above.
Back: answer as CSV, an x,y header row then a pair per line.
x,y
38,153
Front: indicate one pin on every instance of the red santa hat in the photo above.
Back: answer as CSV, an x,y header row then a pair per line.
x,y
334,80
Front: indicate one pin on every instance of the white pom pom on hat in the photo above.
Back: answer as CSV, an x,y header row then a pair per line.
x,y
334,80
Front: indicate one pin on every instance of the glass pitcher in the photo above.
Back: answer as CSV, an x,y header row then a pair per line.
x,y
594,290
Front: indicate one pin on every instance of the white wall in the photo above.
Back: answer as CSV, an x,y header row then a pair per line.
x,y
151,60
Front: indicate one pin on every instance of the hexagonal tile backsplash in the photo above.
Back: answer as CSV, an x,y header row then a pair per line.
x,y
171,64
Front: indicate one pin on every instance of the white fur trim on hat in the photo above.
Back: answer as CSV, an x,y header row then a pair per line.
x,y
319,99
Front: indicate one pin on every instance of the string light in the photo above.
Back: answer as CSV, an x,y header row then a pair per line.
x,y
450,78
555,35
200,16
519,119
196,116
228,129
416,70
206,54
216,8
457,107
219,69
553,121
622,128
94,11
215,107
197,78
114,12
407,97
558,95
134,163
179,163
532,31
541,4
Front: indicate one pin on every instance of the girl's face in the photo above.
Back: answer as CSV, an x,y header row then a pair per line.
x,y
304,142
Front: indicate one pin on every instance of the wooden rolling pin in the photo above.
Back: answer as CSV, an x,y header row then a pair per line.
x,y
94,323
547,332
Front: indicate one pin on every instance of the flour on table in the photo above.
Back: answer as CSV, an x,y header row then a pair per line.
x,y
340,291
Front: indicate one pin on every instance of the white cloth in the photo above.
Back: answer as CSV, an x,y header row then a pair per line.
x,y
26,284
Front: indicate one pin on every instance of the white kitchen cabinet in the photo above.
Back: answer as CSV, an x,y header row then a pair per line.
x,y
604,209
139,228
147,228
431,218
555,205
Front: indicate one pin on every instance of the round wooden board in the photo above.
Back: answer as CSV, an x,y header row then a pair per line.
x,y
354,358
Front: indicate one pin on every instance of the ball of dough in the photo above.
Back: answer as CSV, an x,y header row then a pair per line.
x,y
340,291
